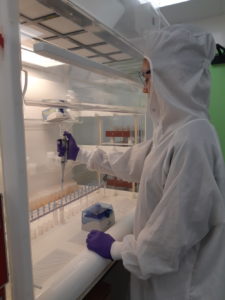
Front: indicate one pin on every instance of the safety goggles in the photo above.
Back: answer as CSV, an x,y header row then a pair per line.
x,y
144,75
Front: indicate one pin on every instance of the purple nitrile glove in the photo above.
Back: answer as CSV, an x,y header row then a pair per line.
x,y
100,243
72,148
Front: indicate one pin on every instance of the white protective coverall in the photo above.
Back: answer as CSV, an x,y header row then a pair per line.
x,y
177,249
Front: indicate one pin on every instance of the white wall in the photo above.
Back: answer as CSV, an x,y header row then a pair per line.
x,y
216,26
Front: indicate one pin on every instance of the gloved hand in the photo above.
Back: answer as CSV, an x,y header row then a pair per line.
x,y
100,243
72,150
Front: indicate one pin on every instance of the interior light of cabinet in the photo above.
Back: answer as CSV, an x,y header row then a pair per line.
x,y
68,57
36,59
162,3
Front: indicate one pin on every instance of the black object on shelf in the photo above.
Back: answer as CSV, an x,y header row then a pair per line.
x,y
220,56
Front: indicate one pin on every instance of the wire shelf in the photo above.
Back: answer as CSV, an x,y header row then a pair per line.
x,y
67,199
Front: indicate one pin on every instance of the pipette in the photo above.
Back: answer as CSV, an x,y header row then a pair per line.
x,y
62,148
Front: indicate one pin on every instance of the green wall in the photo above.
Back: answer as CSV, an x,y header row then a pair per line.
x,y
217,105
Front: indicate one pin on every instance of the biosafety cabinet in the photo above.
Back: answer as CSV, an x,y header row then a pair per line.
x,y
78,71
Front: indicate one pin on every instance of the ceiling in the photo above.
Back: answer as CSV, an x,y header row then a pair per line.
x,y
40,23
193,10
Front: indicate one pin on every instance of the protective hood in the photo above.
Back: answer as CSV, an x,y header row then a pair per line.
x,y
180,56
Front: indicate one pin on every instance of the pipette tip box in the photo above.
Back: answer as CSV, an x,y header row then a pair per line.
x,y
99,216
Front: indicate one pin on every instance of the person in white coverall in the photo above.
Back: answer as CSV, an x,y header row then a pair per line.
x,y
177,249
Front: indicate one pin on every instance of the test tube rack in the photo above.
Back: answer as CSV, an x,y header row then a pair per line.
x,y
65,200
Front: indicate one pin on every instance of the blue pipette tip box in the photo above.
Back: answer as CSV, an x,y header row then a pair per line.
x,y
99,216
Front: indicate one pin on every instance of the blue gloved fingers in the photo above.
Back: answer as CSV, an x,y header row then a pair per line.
x,y
91,247
91,244
92,236
92,233
67,134
100,243
73,149
95,234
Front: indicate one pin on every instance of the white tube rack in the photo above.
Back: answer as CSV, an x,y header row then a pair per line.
x,y
67,199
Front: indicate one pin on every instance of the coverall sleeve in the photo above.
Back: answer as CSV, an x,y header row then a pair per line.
x,y
126,165
180,220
